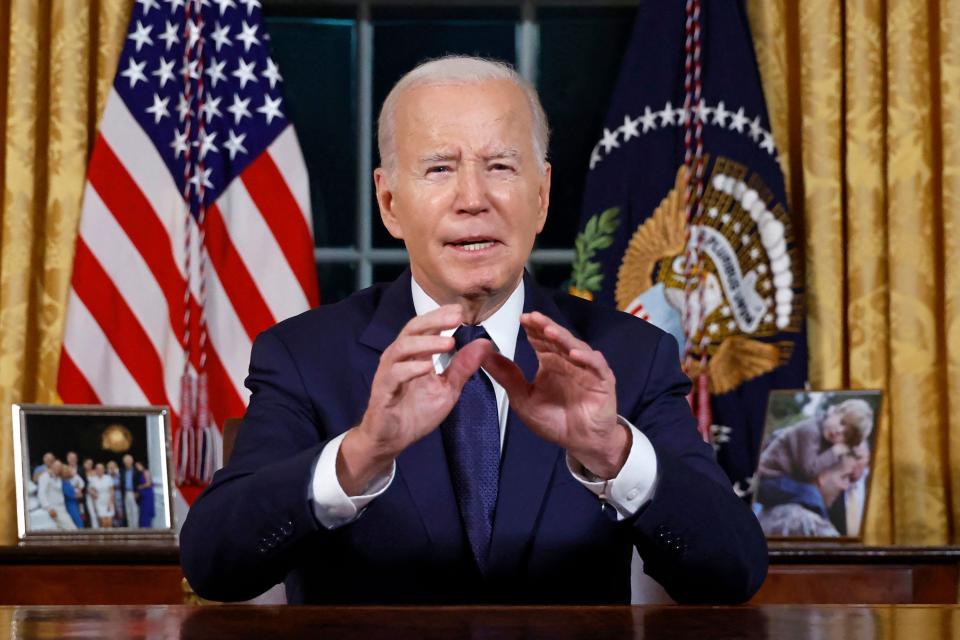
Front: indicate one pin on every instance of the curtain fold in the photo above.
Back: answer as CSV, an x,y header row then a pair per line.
x,y
870,140
59,62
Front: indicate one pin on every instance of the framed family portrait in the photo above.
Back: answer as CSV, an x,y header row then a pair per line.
x,y
813,477
89,473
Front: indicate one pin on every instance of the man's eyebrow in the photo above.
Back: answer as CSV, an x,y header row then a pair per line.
x,y
439,156
503,154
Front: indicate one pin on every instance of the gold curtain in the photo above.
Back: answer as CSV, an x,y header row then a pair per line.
x,y
865,101
57,61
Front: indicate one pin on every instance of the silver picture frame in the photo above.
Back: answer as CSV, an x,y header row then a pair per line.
x,y
98,437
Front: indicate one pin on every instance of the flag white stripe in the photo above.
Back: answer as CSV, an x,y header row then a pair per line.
x,y
94,356
226,334
260,253
135,282
136,153
285,153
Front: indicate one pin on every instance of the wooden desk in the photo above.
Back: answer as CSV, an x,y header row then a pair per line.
x,y
487,623
802,574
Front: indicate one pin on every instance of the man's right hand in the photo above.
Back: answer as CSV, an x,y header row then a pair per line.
x,y
408,399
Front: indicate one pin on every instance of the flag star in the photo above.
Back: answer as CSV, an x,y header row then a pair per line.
x,y
201,176
239,108
648,119
224,5
164,72
183,107
169,35
147,5
666,116
248,35
235,144
738,120
767,143
701,111
272,73
251,5
191,69
211,108
755,129
215,71
192,31
244,72
135,72
219,35
609,141
205,142
720,114
179,143
713,328
159,109
725,311
142,35
595,156
630,128
174,5
731,325
270,109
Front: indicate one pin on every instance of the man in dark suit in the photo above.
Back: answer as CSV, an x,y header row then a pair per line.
x,y
378,463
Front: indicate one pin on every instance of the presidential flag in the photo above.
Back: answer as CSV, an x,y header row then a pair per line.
x,y
684,219
195,232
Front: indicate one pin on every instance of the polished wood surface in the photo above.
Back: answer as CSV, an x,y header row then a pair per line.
x,y
800,573
487,623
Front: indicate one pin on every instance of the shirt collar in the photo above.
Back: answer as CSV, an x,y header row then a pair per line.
x,y
502,327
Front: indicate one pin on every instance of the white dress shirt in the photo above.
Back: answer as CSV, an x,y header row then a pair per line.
x,y
626,493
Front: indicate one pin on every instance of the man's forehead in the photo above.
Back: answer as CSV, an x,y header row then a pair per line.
x,y
481,105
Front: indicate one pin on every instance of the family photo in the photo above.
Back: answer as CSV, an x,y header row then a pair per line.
x,y
814,469
92,471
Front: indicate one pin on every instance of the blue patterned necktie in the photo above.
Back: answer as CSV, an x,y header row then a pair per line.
x,y
471,439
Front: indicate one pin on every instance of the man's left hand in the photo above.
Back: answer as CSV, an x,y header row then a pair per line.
x,y
572,401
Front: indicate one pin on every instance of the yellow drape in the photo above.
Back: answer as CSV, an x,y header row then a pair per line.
x,y
864,98
57,60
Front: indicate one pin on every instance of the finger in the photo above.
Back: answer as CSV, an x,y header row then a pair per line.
x,y
446,317
592,360
404,372
466,362
508,375
553,332
411,347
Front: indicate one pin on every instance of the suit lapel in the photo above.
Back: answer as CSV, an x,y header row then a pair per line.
x,y
528,460
422,467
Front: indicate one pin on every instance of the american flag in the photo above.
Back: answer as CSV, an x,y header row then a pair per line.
x,y
195,233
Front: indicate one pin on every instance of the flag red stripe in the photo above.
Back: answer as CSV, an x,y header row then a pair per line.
x,y
139,221
240,287
279,209
118,323
72,385
225,402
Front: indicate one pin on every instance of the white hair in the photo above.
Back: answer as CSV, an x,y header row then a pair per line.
x,y
454,70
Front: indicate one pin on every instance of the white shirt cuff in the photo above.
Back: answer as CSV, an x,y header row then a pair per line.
x,y
635,483
331,505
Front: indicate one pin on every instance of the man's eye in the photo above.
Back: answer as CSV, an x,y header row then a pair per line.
x,y
499,166
439,169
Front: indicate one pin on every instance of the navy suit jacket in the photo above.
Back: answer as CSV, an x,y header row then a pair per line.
x,y
552,542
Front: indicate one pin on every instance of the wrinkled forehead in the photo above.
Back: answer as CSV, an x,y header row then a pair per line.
x,y
482,117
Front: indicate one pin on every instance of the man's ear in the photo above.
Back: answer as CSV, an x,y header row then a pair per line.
x,y
385,200
544,196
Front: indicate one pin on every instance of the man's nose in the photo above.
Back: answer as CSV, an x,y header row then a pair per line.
x,y
471,190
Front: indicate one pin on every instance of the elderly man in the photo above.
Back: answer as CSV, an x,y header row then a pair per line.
x,y
379,463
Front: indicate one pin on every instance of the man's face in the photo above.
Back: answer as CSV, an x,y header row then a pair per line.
x,y
48,459
72,458
466,193
128,461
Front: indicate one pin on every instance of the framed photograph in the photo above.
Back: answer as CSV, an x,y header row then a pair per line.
x,y
90,473
813,477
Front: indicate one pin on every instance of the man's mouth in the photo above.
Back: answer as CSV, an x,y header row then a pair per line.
x,y
473,244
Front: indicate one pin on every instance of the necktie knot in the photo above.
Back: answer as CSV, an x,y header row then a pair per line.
x,y
467,333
